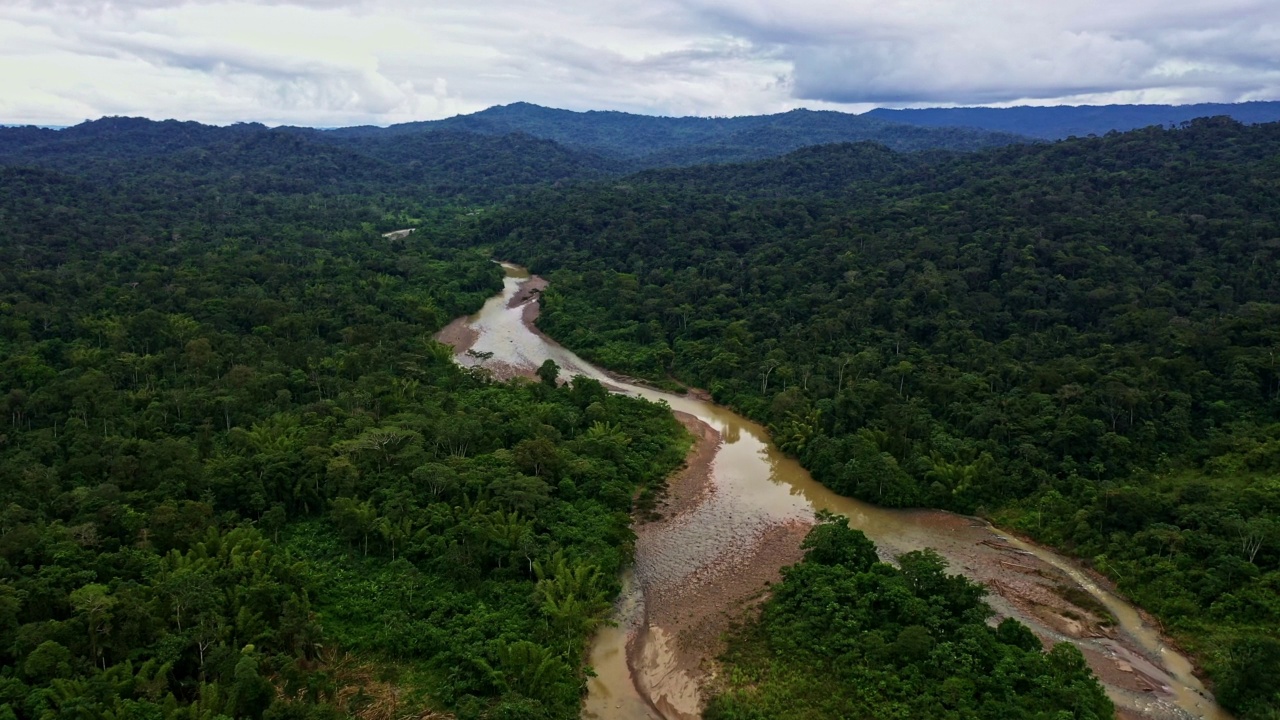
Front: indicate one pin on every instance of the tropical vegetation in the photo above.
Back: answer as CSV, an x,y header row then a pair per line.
x,y
845,635
239,479
1079,340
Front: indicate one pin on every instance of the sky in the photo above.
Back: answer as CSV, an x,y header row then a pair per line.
x,y
330,63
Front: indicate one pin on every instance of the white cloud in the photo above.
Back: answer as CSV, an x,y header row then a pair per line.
x,y
334,62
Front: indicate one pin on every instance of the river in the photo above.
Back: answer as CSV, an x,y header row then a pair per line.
x,y
741,519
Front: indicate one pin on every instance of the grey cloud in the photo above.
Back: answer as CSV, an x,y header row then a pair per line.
x,y
576,57
330,63
934,51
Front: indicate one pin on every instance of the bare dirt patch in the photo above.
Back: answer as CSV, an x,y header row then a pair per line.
x,y
529,289
459,334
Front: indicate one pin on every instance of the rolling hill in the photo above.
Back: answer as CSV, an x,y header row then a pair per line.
x,y
1056,123
643,141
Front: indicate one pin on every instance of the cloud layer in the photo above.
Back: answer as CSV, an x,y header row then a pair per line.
x,y
335,62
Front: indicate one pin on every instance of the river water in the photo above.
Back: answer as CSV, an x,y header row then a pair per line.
x,y
755,489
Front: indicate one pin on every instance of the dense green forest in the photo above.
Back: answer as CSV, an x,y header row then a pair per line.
x,y
1079,340
490,156
846,636
830,171
440,168
238,478
642,141
1063,121
443,167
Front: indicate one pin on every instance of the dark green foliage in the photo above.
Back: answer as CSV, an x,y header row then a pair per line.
x,y
864,639
238,478
643,141
1253,664
826,170
835,543
488,156
548,372
1080,339
444,166
1057,122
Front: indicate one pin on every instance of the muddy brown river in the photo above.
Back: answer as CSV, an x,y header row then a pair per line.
x,y
737,514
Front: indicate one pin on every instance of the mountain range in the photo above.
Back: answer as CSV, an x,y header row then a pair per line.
x,y
643,141
1060,122
507,149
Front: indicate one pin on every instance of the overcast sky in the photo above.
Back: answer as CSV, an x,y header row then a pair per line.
x,y
329,62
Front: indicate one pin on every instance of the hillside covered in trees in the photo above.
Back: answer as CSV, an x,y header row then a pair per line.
x,y
190,157
1058,122
1079,340
485,157
237,477
644,141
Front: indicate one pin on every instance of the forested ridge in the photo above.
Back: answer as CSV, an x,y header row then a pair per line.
x,y
643,141
443,167
1063,121
490,156
1079,340
238,478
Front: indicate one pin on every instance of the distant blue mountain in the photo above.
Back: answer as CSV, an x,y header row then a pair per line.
x,y
646,141
447,164
604,141
1054,123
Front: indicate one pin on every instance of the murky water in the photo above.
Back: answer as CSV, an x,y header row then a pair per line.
x,y
756,486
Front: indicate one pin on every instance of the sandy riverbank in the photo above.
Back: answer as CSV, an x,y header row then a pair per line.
x,y
695,586
463,336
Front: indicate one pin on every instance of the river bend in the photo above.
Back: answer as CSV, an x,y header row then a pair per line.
x,y
740,513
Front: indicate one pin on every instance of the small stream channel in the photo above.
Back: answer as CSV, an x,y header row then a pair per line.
x,y
757,486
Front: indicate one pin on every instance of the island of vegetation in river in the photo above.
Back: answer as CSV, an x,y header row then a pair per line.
x,y
845,635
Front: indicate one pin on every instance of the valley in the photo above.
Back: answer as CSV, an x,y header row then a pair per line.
x,y
736,515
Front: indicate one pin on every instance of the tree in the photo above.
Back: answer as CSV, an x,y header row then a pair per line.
x,y
48,661
355,520
548,372
94,604
250,694
530,669
1254,534
571,594
1247,681
833,542
273,520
